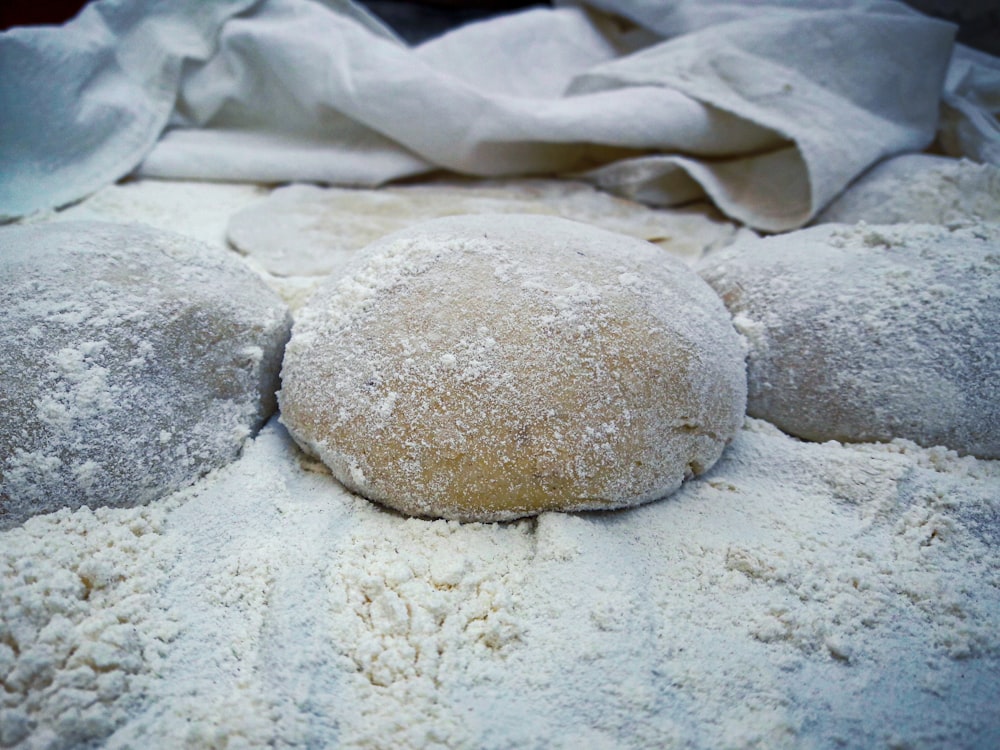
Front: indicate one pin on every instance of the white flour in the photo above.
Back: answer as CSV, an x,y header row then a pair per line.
x,y
196,209
797,595
81,624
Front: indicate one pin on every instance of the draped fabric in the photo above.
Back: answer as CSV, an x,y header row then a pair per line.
x,y
769,108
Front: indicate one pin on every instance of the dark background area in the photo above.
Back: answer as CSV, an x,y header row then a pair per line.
x,y
413,20
416,21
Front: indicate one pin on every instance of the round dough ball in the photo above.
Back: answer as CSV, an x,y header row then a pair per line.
x,y
871,333
919,188
490,367
135,360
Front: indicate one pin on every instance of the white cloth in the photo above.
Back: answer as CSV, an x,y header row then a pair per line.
x,y
970,114
771,113
81,105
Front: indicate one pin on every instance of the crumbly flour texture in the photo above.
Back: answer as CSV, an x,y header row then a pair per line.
x,y
761,606
796,595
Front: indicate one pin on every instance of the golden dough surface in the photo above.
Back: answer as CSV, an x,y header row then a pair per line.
x,y
491,367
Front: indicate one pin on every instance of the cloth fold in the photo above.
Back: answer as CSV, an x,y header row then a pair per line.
x,y
829,120
769,113
81,105
970,113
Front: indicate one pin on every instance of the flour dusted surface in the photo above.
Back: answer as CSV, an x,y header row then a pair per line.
x,y
135,361
796,595
871,332
490,367
79,626
199,210
922,189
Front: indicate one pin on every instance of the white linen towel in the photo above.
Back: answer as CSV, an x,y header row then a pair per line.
x,y
771,113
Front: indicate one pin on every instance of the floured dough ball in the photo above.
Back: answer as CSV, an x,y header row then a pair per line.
x,y
920,188
871,333
491,367
134,361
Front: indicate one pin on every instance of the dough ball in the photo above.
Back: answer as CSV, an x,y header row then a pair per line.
x,y
135,360
922,189
490,367
871,333
304,230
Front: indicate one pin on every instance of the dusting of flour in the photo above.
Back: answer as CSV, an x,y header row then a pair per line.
x,y
919,188
865,333
491,367
80,628
194,209
304,230
796,595
135,361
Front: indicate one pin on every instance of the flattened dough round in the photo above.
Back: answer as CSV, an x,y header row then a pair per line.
x,y
490,367
871,333
304,230
135,360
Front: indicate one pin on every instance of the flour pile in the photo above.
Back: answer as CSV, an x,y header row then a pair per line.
x,y
799,594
